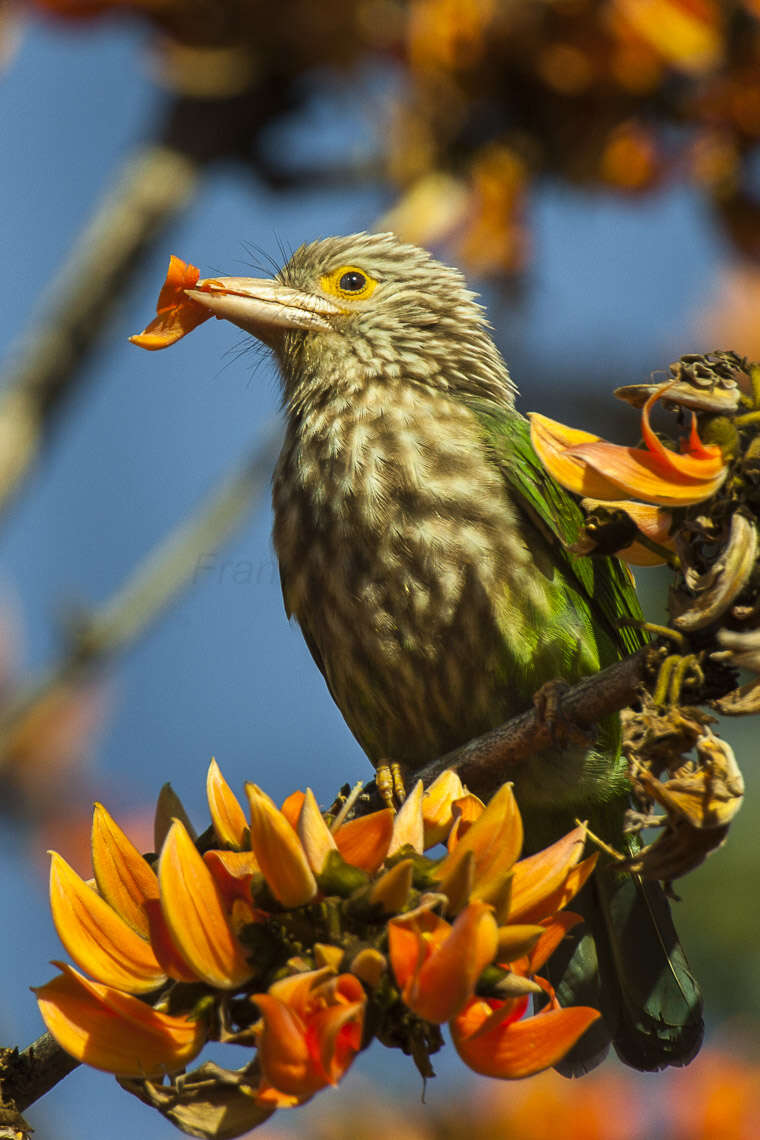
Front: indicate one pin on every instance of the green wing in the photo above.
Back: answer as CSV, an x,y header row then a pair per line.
x,y
606,583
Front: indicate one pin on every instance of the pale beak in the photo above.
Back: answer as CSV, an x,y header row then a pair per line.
x,y
261,306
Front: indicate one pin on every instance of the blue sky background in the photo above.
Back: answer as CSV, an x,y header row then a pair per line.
x,y
616,285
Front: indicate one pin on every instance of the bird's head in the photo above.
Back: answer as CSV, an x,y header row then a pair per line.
x,y
346,311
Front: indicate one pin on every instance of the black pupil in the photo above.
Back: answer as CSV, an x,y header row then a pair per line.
x,y
352,281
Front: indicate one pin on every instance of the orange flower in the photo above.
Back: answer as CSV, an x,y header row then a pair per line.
x,y
545,882
494,840
195,916
311,1030
491,1039
227,816
588,465
438,806
279,851
140,931
364,842
437,965
111,1030
97,937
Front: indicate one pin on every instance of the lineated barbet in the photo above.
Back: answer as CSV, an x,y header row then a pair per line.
x,y
421,551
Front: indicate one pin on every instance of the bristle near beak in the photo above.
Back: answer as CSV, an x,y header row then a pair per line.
x,y
260,306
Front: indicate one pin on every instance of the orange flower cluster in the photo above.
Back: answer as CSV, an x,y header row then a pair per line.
x,y
607,473
292,935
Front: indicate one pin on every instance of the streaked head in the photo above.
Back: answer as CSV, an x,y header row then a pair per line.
x,y
346,310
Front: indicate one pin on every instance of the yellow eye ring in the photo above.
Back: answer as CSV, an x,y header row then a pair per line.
x,y
349,283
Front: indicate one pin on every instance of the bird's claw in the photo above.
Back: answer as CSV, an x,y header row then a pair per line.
x,y
389,781
547,702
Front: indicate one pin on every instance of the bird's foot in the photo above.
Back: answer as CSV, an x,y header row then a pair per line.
x,y
547,702
389,781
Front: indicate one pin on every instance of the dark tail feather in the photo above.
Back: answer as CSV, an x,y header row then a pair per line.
x,y
626,961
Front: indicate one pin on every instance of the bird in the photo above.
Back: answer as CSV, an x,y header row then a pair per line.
x,y
423,551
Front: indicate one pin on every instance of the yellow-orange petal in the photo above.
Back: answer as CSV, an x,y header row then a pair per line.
x,y
233,873
516,940
491,1043
279,852
408,827
172,962
338,1028
391,890
633,472
284,1055
438,986
438,806
176,313
538,877
412,937
562,894
227,815
291,807
364,842
555,930
113,1031
195,916
124,878
316,838
466,810
495,839
698,461
96,937
551,442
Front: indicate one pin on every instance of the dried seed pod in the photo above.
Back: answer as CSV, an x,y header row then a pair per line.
x,y
725,580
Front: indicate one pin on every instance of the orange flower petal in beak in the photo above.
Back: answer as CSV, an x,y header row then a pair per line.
x,y
279,852
125,880
194,914
437,965
176,313
227,816
113,1031
96,937
493,1042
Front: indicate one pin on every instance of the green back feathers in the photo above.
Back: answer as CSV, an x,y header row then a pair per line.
x,y
605,583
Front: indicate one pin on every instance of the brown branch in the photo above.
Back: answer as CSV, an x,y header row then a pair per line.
x,y
27,1075
484,761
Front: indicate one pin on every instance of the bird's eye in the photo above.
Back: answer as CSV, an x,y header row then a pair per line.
x,y
349,282
352,282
